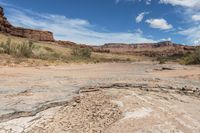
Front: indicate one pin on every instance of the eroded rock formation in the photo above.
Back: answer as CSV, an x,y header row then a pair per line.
x,y
38,35
166,48
73,45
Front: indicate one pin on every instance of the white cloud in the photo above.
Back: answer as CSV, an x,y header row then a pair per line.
x,y
196,17
140,17
166,39
148,2
193,34
196,43
191,15
184,3
117,1
3,3
139,31
190,8
72,29
159,24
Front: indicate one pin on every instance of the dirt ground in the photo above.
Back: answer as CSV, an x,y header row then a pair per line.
x,y
141,97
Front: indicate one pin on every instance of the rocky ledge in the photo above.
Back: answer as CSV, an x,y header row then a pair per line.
x,y
37,35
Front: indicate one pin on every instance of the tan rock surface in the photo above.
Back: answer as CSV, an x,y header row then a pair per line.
x,y
126,97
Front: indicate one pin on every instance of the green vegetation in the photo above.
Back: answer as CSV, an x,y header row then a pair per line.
x,y
161,60
193,58
25,49
82,52
6,48
173,58
18,50
185,59
28,50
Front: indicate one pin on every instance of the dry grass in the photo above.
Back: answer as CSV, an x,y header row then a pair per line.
x,y
52,53
191,59
119,57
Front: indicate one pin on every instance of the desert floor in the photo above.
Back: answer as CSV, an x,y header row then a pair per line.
x,y
141,97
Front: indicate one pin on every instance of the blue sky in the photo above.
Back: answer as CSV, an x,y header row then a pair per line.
x,y
96,22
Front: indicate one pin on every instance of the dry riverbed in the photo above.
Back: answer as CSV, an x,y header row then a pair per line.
x,y
109,98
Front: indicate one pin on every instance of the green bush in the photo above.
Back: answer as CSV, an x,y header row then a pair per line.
x,y
162,60
193,58
170,58
81,52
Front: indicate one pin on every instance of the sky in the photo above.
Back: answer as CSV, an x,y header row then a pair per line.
x,y
96,22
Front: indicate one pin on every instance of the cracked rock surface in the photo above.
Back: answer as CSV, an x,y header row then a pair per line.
x,y
108,97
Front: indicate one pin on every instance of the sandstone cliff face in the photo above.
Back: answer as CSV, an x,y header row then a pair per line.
x,y
149,49
73,45
5,26
38,35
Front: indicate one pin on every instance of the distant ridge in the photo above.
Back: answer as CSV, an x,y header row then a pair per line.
x,y
165,48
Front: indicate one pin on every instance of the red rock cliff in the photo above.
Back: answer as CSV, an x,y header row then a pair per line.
x,y
38,35
150,49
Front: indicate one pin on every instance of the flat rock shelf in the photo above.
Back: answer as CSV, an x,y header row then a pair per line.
x,y
105,97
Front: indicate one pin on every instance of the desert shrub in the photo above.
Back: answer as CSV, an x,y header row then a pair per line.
x,y
193,58
49,55
1,50
101,50
7,48
171,58
161,60
128,59
29,50
81,52
49,49
24,49
18,50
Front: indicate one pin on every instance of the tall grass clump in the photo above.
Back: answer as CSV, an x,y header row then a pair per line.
x,y
50,56
81,52
6,47
24,49
193,58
